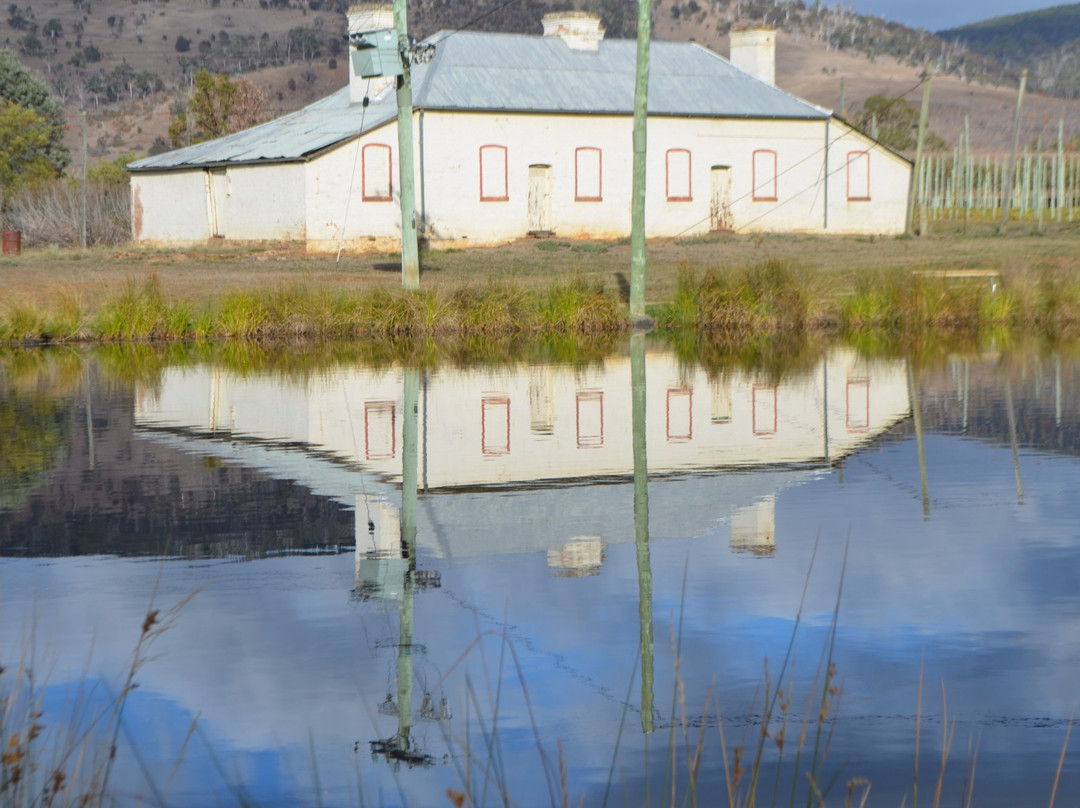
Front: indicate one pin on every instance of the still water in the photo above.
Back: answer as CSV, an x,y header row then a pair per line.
x,y
538,579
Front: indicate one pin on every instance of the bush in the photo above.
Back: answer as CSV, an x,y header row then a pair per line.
x,y
52,214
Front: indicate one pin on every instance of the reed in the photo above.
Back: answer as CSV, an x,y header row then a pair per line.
x,y
765,297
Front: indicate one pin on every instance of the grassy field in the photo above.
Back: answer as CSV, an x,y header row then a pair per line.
x,y
860,281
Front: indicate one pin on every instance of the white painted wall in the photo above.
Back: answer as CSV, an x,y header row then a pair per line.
x,y
264,202
250,202
323,200
169,206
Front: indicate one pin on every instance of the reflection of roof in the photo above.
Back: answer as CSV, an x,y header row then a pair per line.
x,y
512,73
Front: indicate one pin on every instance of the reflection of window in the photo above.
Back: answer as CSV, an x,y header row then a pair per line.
x,y
590,420
721,401
858,405
379,430
858,176
765,407
765,176
376,173
495,426
678,175
588,175
680,414
493,174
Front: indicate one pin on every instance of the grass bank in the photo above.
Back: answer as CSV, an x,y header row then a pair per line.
x,y
727,286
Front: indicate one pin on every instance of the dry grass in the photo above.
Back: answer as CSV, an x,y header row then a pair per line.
x,y
763,283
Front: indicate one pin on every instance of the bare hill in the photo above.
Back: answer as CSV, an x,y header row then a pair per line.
x,y
129,62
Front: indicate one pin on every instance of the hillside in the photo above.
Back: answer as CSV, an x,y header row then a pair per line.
x,y
129,62
1047,42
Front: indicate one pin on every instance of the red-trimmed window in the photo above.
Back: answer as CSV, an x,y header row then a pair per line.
x,y
588,174
858,176
765,176
858,405
680,414
380,431
590,420
677,179
495,426
765,409
494,174
376,173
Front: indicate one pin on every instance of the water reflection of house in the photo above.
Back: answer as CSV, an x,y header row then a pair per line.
x,y
500,449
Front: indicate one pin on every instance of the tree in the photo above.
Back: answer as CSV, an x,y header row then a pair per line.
x,y
23,89
218,106
897,123
24,140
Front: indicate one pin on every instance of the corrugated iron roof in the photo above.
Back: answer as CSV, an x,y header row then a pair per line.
x,y
512,73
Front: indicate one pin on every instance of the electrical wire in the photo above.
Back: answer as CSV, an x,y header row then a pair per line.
x,y
352,179
812,155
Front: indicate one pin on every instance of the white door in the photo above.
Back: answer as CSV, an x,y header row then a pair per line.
x,y
216,191
540,199
720,203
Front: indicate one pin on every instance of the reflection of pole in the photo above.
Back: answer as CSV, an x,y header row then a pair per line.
x,y
916,413
90,424
825,407
1011,413
1057,391
967,389
641,527
409,434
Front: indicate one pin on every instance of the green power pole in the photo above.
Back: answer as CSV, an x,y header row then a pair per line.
x,y
637,204
1010,175
914,192
410,261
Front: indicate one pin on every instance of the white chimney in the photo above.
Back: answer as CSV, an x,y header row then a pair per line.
x,y
368,17
580,30
753,49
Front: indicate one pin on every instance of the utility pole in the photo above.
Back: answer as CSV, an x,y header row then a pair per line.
x,y
914,193
637,203
410,261
82,230
1010,174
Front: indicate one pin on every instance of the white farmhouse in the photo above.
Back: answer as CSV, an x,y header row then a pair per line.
x,y
518,135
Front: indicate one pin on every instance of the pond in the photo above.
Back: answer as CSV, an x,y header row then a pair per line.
x,y
633,580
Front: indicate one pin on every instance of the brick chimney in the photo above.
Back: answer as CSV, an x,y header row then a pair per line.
x,y
753,49
368,17
580,30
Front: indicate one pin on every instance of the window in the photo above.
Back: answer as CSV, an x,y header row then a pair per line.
x,y
765,409
588,174
765,176
590,420
375,168
858,176
495,426
858,405
380,431
680,414
493,171
677,183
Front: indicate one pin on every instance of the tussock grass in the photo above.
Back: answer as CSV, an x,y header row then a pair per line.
x,y
141,312
765,297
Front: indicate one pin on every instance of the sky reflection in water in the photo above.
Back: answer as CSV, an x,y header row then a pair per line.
x,y
525,530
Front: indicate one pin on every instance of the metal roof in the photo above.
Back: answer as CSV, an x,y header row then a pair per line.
x,y
512,73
